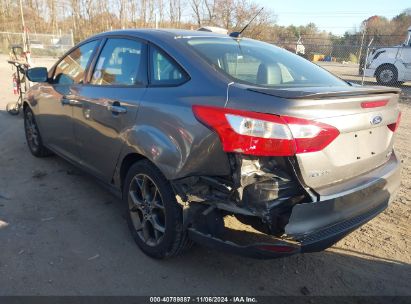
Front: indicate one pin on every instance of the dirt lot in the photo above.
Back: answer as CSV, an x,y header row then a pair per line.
x,y
61,233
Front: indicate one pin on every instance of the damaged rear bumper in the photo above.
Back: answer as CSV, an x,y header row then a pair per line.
x,y
343,208
260,250
316,225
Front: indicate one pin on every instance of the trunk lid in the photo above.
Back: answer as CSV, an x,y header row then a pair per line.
x,y
324,92
365,141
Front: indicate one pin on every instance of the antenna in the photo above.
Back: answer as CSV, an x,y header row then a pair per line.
x,y
238,34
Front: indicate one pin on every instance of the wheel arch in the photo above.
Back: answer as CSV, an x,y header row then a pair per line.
x,y
30,102
25,104
126,162
127,159
146,143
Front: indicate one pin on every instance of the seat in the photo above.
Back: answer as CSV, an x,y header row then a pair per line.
x,y
269,74
130,65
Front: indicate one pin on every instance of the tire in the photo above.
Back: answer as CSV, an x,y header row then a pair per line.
x,y
387,75
154,217
33,136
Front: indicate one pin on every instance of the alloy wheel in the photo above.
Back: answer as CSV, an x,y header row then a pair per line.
x,y
147,210
31,130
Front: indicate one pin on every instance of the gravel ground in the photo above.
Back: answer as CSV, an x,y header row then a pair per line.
x,y
61,233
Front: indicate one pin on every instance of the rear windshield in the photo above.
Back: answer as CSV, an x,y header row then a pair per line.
x,y
261,64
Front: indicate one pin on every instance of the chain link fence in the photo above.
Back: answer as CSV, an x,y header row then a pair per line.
x,y
363,63
359,63
40,44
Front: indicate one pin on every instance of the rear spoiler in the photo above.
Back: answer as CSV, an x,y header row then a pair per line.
x,y
324,92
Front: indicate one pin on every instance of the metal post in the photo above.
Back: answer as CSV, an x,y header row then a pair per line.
x,y
365,62
362,39
72,37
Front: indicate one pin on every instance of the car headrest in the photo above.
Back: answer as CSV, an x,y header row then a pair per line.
x,y
130,61
269,74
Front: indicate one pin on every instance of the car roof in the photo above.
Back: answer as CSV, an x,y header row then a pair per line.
x,y
157,33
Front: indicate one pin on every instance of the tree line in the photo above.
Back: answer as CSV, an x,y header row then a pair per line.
x,y
87,17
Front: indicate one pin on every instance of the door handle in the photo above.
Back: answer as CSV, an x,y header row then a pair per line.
x,y
65,101
116,108
70,102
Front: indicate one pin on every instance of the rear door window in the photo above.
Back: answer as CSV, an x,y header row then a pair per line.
x,y
121,62
71,68
164,71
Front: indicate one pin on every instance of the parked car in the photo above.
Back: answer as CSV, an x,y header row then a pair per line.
x,y
193,129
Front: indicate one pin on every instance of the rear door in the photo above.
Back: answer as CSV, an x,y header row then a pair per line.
x,y
108,104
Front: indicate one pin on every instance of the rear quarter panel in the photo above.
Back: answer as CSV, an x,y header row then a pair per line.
x,y
166,131
168,134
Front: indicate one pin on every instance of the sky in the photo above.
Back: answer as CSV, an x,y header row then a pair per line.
x,y
332,16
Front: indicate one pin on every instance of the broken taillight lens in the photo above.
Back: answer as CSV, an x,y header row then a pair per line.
x,y
394,126
262,134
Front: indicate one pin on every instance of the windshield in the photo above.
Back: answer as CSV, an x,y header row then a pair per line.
x,y
261,64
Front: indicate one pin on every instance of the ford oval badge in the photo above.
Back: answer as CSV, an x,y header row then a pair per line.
x,y
376,120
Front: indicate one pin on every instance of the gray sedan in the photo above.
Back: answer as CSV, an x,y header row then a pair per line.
x,y
224,141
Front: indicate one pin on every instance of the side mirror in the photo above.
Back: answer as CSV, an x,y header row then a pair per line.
x,y
37,74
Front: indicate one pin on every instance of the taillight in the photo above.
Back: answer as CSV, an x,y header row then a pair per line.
x,y
265,134
394,126
374,104
310,136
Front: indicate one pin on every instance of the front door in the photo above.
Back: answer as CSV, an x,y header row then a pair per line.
x,y
109,103
55,104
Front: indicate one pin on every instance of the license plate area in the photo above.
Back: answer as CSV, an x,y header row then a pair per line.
x,y
368,143
371,145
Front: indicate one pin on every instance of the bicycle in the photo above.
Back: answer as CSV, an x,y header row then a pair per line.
x,y
20,82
